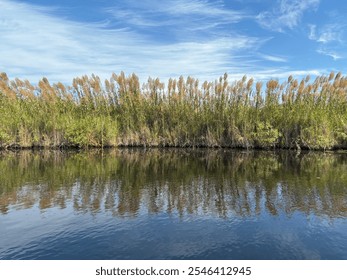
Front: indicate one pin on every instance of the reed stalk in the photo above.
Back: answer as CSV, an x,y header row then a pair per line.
x,y
294,114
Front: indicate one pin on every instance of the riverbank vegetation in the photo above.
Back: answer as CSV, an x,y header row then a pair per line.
x,y
294,114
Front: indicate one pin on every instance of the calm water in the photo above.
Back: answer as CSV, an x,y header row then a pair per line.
x,y
173,204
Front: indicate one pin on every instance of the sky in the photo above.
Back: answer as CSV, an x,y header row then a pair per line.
x,y
263,39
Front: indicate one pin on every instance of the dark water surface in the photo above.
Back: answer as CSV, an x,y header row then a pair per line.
x,y
173,204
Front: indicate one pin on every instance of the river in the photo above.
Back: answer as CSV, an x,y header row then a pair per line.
x,y
173,204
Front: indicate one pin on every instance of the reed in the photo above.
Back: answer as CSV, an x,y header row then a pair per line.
x,y
294,114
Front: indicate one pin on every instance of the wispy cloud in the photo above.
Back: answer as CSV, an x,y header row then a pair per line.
x,y
312,32
273,58
286,14
332,54
329,38
280,73
180,19
327,33
39,44
201,7
184,7
172,38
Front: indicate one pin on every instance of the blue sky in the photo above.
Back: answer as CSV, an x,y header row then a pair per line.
x,y
201,38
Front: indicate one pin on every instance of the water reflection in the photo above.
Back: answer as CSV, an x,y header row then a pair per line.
x,y
220,183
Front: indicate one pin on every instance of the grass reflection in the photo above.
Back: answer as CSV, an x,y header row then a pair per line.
x,y
217,182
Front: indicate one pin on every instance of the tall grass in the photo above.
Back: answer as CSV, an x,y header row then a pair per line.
x,y
186,113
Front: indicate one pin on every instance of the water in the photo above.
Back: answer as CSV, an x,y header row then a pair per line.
x,y
173,204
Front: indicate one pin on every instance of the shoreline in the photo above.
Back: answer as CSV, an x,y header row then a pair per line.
x,y
168,147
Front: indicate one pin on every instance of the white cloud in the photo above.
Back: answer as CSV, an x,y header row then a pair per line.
x,y
329,39
36,44
287,14
183,7
199,7
312,34
279,73
180,18
334,55
331,33
327,33
274,58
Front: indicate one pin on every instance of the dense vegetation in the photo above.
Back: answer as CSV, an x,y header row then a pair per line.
x,y
120,112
